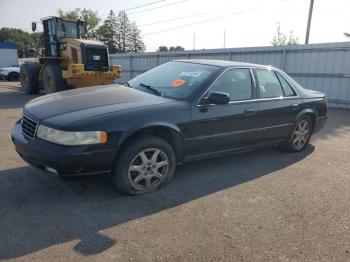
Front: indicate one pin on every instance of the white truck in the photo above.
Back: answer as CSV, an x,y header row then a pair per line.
x,y
10,73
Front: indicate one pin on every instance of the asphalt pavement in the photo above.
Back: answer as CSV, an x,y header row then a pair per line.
x,y
266,205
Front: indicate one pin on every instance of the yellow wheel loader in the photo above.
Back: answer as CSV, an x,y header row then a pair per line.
x,y
69,60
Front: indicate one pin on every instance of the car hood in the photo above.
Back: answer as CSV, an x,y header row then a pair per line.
x,y
77,104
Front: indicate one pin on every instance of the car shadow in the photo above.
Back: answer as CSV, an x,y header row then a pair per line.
x,y
38,211
10,100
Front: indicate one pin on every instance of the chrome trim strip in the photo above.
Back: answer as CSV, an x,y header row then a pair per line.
x,y
237,132
36,128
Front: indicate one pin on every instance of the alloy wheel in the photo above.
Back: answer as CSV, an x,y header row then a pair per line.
x,y
301,134
148,168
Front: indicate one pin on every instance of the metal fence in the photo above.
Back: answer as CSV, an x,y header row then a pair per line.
x,y
323,67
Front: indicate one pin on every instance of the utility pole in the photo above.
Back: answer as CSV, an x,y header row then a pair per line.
x,y
194,41
224,38
309,22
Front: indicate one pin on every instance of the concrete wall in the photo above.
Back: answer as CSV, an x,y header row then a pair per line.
x,y
8,54
323,67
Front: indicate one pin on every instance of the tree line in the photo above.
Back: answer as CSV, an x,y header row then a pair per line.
x,y
119,33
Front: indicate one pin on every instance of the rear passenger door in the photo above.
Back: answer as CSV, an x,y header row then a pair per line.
x,y
278,105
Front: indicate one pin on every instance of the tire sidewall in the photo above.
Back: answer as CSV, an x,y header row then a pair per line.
x,y
32,71
13,76
57,81
120,170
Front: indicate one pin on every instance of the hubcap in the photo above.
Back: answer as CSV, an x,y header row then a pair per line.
x,y
301,134
148,168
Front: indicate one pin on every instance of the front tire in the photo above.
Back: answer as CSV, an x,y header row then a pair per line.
x,y
13,76
300,135
52,80
144,165
29,77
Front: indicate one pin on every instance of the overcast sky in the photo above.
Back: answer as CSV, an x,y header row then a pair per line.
x,y
246,22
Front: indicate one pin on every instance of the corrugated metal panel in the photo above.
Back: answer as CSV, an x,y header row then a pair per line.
x,y
323,67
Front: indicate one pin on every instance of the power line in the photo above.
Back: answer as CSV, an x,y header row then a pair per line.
x,y
174,19
146,10
131,8
208,20
139,6
200,22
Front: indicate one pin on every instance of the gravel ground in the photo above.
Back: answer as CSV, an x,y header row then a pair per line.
x,y
265,205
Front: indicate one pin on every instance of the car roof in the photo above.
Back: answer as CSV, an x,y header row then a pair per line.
x,y
221,63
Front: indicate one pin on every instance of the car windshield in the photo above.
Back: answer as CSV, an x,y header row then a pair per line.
x,y
177,80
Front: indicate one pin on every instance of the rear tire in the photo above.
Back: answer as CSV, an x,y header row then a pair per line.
x,y
299,138
13,76
147,163
53,81
29,77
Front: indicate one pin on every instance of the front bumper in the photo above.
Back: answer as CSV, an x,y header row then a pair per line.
x,y
62,160
3,76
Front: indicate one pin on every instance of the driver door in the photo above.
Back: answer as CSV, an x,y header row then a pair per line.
x,y
220,128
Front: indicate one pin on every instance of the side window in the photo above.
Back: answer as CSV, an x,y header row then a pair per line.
x,y
235,82
269,85
288,90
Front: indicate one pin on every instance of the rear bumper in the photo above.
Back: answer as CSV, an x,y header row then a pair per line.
x,y
320,123
62,160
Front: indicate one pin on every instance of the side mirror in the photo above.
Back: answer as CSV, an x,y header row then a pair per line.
x,y
218,98
33,26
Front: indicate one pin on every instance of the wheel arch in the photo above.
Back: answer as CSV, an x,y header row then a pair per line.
x,y
309,112
169,132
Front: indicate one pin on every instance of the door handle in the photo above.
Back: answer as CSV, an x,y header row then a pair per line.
x,y
294,106
250,111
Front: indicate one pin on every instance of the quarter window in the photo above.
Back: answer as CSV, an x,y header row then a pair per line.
x,y
288,90
269,85
235,82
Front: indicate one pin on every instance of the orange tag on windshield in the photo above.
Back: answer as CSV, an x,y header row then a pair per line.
x,y
177,83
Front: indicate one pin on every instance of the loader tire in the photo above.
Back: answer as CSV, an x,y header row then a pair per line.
x,y
29,77
52,80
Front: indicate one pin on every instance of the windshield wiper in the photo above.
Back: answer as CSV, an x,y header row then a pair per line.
x,y
154,90
126,84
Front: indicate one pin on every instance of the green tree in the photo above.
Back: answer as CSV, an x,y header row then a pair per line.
x,y
135,41
24,41
90,17
108,33
162,48
119,34
176,48
282,39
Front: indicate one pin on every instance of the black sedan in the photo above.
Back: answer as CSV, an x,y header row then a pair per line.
x,y
179,111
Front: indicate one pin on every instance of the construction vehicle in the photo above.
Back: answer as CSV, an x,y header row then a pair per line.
x,y
68,59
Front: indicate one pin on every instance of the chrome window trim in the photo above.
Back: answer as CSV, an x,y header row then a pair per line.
x,y
279,72
281,98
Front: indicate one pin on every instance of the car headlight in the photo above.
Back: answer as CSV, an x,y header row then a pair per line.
x,y
71,138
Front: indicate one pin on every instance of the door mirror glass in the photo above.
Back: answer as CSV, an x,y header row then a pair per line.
x,y
218,98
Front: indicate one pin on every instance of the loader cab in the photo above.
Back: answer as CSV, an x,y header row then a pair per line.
x,y
56,28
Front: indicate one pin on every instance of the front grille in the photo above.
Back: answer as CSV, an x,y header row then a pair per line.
x,y
96,59
29,127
